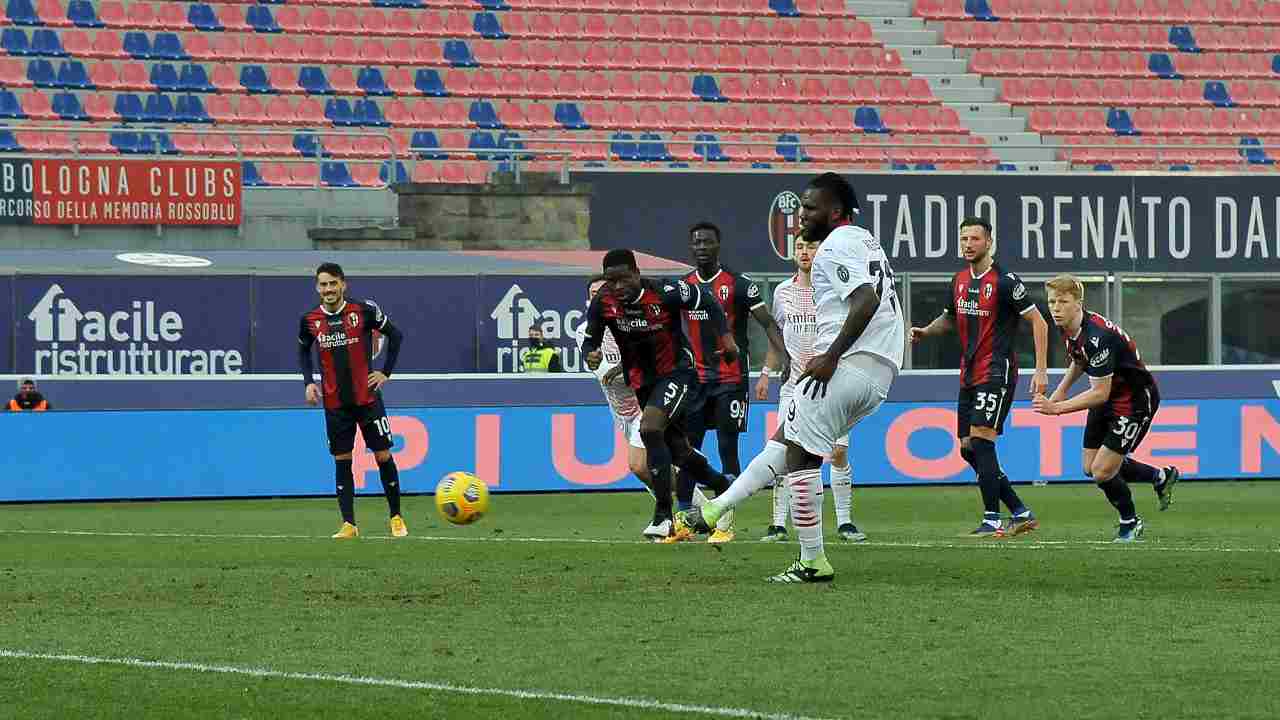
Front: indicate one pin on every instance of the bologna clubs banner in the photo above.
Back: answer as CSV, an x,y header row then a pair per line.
x,y
70,191
1043,223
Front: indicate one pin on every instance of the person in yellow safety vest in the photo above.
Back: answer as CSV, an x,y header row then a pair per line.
x,y
28,399
540,357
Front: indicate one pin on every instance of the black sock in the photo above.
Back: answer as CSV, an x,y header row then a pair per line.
x,y
695,467
1135,472
1009,497
655,446
390,484
988,468
1118,495
727,442
967,454
685,484
346,485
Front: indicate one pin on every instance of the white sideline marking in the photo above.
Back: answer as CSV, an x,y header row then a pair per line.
x,y
1146,546
626,702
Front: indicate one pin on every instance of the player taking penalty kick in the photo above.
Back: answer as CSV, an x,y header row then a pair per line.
x,y
859,344
1122,399
351,388
985,307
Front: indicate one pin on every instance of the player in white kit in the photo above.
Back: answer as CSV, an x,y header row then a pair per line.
x,y
625,407
859,346
796,314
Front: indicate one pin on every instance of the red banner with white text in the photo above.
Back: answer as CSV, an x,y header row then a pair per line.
x,y
134,192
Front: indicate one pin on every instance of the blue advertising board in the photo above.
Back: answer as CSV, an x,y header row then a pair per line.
x,y
6,324
158,454
138,325
436,314
511,305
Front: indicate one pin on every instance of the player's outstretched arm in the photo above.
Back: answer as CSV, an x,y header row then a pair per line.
x,y
941,325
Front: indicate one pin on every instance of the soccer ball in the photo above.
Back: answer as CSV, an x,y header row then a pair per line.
x,y
462,498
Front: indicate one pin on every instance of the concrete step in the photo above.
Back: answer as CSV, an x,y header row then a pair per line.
x,y
895,36
879,8
1025,148
965,95
1046,166
899,23
951,81
993,110
928,66
996,125
927,52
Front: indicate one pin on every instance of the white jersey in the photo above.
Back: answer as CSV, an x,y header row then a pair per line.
x,y
621,398
796,314
849,258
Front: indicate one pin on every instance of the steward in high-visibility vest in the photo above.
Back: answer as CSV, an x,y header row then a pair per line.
x,y
540,357
28,399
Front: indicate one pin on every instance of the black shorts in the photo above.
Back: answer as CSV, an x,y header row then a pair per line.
x,y
374,426
724,408
675,394
1121,433
985,405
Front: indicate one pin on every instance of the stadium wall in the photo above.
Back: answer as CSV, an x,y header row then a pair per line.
x,y
551,434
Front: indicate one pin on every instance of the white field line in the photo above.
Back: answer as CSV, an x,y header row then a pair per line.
x,y
258,672
982,544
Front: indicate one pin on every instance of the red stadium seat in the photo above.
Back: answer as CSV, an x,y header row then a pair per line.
x,y
133,76
315,50
280,110
95,143
309,111
841,91
142,16
99,108
400,22
220,109
231,16
343,50
431,24
284,79
249,111
373,21
286,50
107,44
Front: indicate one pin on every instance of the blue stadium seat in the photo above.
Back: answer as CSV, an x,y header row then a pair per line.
x,y
428,81
1162,65
10,109
249,176
125,141
40,73
307,144
1251,150
72,74
146,144
868,120
338,111
129,107
651,148
790,149
138,45
488,26
481,142
707,146
706,88
165,77
194,79
1120,123
15,42
259,18
458,54
1215,91
926,166
1180,37
494,5
191,110
168,46
979,9
254,79
22,12
336,174
82,14
1275,64
67,106
366,112
370,80
568,115
899,166
8,143
513,141
313,81
785,8
202,17
159,109
484,115
623,145
45,42
402,173
1103,167
1006,167
1179,168
164,143
423,142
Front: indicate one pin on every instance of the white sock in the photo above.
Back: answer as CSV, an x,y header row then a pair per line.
x,y
699,498
781,504
806,510
760,474
842,490
725,522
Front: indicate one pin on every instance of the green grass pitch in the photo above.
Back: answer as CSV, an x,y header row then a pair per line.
x,y
554,595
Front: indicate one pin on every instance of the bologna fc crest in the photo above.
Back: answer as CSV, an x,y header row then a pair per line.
x,y
784,223
354,319
986,292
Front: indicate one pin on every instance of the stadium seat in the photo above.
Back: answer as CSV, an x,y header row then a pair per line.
x,y
47,43
82,14
164,77
13,73
371,82
223,77
41,74
66,106
428,82
343,81
253,78
22,12
158,109
137,45
338,112
312,80
194,79
309,111
366,112
77,43
129,107
201,16
458,54
249,111
261,19
336,174
190,109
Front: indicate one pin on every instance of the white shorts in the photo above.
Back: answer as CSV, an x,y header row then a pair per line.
x,y
630,429
817,425
784,398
